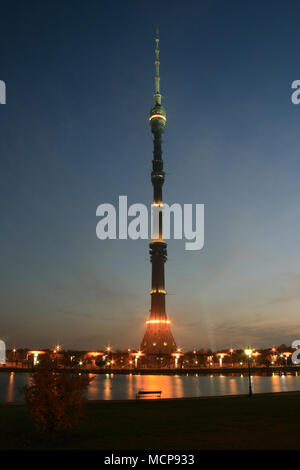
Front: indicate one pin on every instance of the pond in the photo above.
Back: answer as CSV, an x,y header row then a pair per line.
x,y
125,387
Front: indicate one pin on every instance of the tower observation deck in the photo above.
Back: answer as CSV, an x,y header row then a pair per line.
x,y
158,339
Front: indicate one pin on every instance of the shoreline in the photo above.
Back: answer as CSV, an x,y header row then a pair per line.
x,y
206,397
192,371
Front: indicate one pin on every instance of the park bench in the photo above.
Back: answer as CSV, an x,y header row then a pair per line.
x,y
145,393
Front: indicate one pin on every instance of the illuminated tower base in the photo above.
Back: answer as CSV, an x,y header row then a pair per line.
x,y
158,340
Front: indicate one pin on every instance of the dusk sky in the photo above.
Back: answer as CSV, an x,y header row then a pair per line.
x,y
74,134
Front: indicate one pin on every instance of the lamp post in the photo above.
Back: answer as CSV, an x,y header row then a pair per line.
x,y
248,353
231,351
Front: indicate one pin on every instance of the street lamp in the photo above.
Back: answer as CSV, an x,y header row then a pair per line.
x,y
231,351
248,353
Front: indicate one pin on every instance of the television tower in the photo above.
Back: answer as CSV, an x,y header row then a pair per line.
x,y
158,339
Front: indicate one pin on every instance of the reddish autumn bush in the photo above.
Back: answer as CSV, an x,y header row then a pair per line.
x,y
55,399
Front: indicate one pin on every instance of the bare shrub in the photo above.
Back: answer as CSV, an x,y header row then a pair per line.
x,y
55,399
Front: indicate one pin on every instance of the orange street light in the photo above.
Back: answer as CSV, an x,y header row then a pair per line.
x,y
248,353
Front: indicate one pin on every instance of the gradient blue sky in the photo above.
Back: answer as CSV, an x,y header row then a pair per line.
x,y
74,134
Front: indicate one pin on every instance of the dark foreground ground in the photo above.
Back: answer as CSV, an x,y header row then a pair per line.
x,y
262,422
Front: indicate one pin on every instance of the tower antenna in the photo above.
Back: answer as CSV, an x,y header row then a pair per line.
x,y
157,95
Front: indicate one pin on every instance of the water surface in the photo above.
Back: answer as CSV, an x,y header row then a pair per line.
x,y
123,387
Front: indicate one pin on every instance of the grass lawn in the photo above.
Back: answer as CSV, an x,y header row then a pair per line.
x,y
261,422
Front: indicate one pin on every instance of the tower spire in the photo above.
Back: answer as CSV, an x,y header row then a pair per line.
x,y
157,95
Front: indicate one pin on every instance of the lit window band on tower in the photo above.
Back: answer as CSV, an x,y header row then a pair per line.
x,y
158,339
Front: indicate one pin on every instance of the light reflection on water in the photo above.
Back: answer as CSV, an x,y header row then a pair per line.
x,y
10,388
122,387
